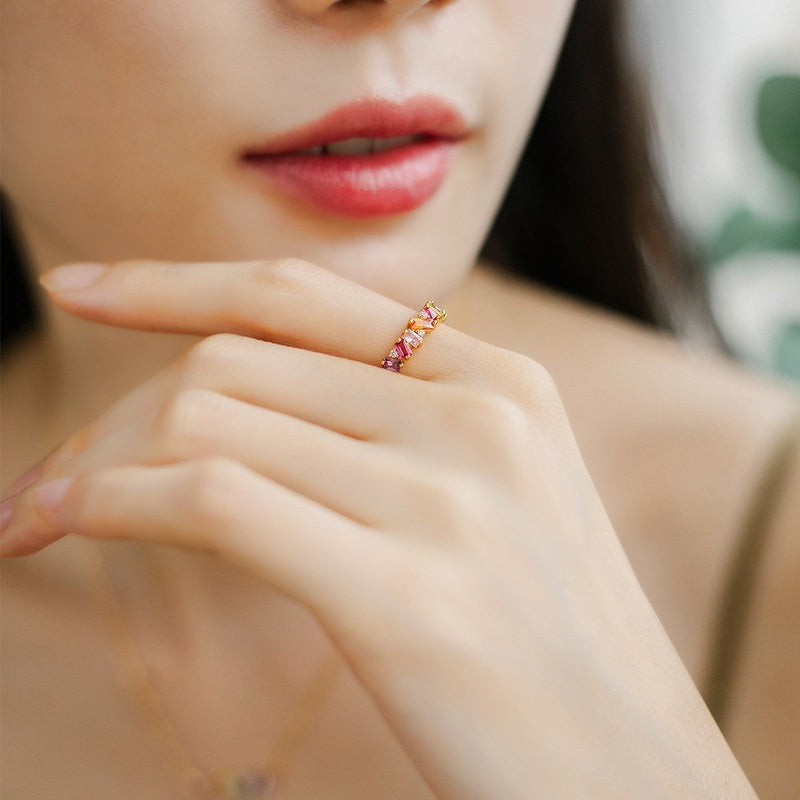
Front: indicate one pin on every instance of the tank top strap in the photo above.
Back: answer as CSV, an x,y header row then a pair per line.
x,y
736,597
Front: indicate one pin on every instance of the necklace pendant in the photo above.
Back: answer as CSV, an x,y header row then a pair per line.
x,y
254,784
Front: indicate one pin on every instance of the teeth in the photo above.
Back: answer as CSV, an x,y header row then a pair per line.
x,y
389,144
350,147
360,146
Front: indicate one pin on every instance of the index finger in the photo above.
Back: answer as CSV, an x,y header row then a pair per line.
x,y
288,301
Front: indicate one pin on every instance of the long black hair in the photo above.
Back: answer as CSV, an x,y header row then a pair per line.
x,y
583,213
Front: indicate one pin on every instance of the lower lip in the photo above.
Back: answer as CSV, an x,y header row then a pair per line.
x,y
391,182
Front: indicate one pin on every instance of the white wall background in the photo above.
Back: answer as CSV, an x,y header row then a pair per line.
x,y
705,60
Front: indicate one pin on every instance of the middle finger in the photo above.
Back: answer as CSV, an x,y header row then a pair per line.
x,y
353,399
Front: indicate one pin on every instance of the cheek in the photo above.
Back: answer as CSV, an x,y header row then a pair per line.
x,y
90,89
70,71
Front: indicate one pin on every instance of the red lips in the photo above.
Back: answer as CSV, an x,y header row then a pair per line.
x,y
371,184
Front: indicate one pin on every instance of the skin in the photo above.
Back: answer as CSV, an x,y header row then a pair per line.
x,y
250,523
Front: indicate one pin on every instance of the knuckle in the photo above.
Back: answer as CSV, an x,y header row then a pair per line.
x,y
440,496
541,378
537,384
425,486
95,501
291,275
73,446
210,491
524,379
449,497
502,417
494,422
456,491
181,424
206,357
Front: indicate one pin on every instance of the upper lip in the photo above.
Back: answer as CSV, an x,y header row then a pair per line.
x,y
425,115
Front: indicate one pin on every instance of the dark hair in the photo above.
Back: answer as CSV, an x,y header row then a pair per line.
x,y
18,312
583,213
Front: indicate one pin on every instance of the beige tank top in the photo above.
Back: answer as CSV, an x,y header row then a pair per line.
x,y
737,593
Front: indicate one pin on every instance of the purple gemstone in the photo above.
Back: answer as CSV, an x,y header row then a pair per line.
x,y
392,364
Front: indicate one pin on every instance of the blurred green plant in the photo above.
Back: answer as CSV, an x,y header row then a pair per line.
x,y
777,118
787,350
778,126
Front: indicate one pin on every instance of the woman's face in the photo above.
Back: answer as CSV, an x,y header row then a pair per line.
x,y
124,123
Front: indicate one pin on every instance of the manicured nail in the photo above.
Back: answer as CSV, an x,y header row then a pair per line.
x,y
6,512
72,276
50,494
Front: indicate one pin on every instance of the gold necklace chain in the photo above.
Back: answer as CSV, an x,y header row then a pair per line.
x,y
255,782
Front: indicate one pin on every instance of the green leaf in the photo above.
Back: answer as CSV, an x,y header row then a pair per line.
x,y
778,119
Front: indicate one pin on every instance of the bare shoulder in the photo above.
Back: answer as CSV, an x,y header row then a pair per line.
x,y
637,398
678,440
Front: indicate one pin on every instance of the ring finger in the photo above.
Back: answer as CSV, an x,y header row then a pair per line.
x,y
356,479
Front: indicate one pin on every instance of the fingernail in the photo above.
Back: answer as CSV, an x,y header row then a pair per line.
x,y
6,512
50,495
25,480
72,276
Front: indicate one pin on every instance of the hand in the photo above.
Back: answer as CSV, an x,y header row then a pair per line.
x,y
440,524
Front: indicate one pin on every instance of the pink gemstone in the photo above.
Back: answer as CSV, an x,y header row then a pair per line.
x,y
403,350
392,364
411,338
429,313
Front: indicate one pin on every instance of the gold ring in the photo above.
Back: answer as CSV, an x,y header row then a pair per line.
x,y
410,339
